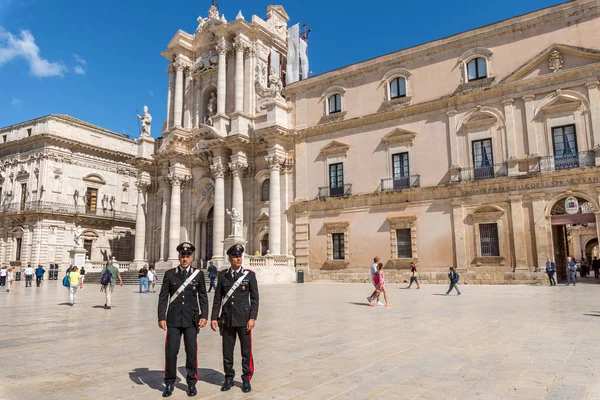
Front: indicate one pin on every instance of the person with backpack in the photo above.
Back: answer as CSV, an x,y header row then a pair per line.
x,y
454,278
74,281
108,280
143,275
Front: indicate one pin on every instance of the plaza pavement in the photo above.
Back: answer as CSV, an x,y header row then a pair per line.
x,y
315,341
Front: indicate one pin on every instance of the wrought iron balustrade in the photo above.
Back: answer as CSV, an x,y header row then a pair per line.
x,y
478,173
335,191
412,181
568,161
63,208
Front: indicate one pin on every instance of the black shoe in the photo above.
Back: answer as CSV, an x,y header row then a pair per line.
x,y
107,307
191,391
227,384
168,390
246,386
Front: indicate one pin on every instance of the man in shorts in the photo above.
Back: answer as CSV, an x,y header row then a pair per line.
x,y
413,276
375,294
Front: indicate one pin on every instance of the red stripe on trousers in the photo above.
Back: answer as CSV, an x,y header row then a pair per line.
x,y
251,360
196,374
166,338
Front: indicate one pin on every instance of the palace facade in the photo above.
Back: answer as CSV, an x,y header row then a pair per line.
x,y
58,173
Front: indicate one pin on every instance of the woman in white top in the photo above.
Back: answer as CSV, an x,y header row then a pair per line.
x,y
9,278
152,279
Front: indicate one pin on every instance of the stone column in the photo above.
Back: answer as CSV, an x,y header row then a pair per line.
x,y
197,243
237,170
518,224
274,162
239,75
202,249
140,225
510,128
222,75
177,114
188,98
530,126
460,244
218,172
542,250
163,221
170,71
175,216
597,215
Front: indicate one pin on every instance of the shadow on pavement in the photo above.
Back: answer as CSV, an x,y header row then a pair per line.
x,y
64,304
593,315
439,294
211,376
144,376
101,307
359,304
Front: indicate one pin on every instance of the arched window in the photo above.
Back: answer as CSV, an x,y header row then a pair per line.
x,y
476,69
264,193
397,88
335,103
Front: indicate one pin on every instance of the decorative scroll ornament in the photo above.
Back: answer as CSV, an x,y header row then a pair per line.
x,y
556,61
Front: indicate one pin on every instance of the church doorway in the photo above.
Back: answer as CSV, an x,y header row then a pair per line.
x,y
573,225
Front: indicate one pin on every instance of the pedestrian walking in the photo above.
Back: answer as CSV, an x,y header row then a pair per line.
x,y
551,270
596,267
379,280
182,290
152,277
108,280
374,295
454,278
82,273
212,274
29,271
234,312
143,275
39,274
3,272
571,271
413,276
74,283
9,278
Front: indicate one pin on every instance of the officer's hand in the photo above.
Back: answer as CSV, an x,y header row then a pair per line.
x,y
213,325
250,325
202,323
162,325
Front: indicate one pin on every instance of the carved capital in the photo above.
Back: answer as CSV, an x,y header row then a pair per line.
x,y
175,180
222,46
218,170
178,66
171,69
142,186
237,168
274,162
239,45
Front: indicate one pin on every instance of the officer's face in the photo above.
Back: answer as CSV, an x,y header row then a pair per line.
x,y
235,261
185,259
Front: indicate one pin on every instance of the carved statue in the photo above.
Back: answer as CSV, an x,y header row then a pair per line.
x,y
556,61
212,20
76,197
236,222
146,121
275,84
211,108
206,62
78,236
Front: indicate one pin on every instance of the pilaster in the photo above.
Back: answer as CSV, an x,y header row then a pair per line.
x,y
542,250
460,244
532,144
518,225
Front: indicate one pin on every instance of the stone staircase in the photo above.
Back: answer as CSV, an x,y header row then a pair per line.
x,y
131,278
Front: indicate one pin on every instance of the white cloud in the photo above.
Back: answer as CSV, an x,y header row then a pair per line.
x,y
12,47
79,70
79,59
151,93
16,102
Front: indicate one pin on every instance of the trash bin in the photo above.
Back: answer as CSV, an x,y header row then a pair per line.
x,y
300,276
50,272
18,278
55,274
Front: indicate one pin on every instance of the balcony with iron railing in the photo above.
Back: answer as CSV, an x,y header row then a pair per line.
x,y
412,181
335,191
479,173
64,208
564,162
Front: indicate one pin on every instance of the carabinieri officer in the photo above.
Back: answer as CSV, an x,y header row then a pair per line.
x,y
236,298
182,289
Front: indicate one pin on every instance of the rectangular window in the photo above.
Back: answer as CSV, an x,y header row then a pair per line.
x,y
23,196
404,243
476,69
336,179
28,132
4,137
397,88
488,236
483,159
338,246
19,247
335,104
400,169
564,139
91,200
87,244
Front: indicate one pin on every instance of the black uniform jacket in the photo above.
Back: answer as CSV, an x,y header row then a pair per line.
x,y
185,307
243,303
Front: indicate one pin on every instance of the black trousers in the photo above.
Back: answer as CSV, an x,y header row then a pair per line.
x,y
172,344
551,278
2,281
229,335
38,280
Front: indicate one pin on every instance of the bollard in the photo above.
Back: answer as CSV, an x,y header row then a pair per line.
x,y
300,276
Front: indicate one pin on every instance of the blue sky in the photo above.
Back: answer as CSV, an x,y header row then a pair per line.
x,y
100,60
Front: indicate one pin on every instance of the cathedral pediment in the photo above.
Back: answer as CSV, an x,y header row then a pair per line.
x,y
554,59
335,147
